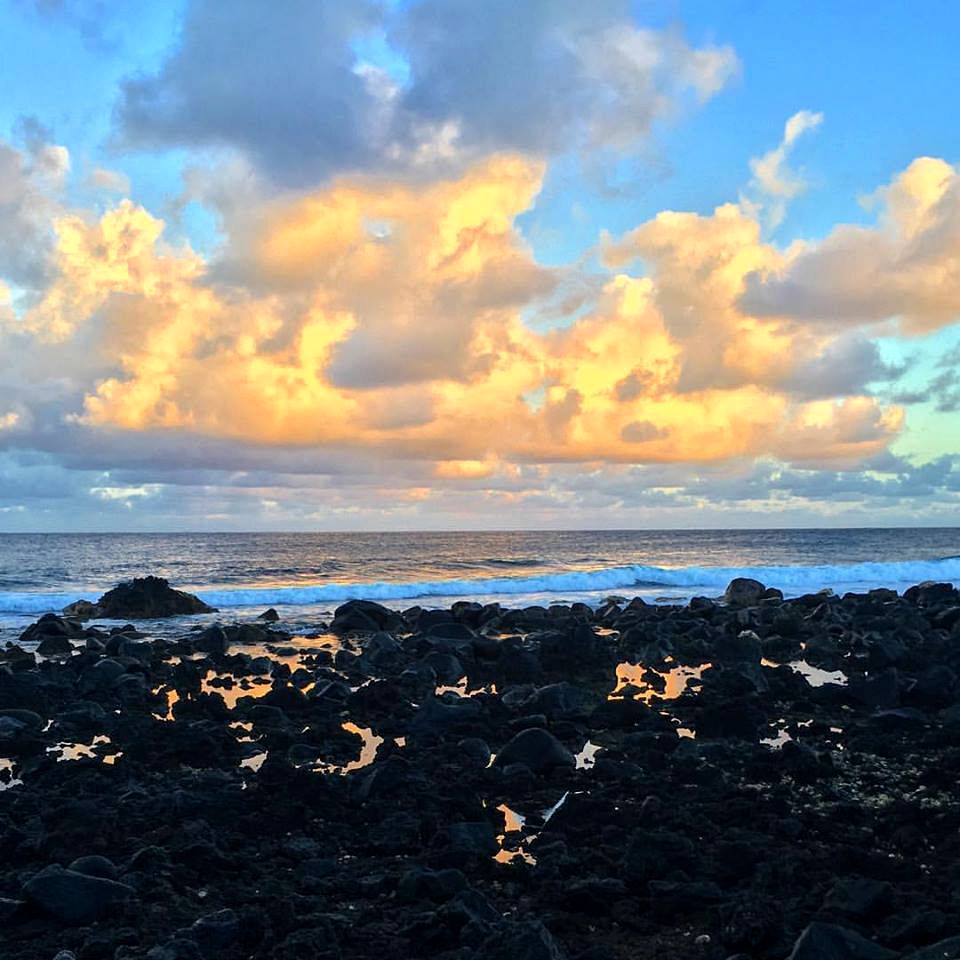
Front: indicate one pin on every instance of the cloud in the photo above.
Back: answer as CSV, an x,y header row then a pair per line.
x,y
943,389
388,317
774,184
280,88
845,365
548,76
390,344
289,92
31,181
110,181
906,267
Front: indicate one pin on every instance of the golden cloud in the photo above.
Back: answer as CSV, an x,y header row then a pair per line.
x,y
388,316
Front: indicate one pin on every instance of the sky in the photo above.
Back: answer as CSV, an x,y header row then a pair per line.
x,y
450,264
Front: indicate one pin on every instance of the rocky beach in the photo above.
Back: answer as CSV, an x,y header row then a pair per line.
x,y
741,776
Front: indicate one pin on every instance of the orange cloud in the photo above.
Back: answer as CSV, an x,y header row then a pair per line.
x,y
388,316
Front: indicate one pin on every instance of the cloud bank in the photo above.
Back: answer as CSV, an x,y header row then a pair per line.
x,y
375,337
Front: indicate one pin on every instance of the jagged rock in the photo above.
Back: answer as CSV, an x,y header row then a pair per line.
x,y
81,610
148,598
929,593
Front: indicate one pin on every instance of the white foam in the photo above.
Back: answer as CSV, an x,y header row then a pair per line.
x,y
682,582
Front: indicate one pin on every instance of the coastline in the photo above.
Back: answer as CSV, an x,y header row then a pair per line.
x,y
750,777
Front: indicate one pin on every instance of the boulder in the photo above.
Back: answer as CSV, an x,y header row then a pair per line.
x,y
55,646
948,949
51,628
269,616
81,610
94,866
364,616
148,598
743,592
537,749
928,593
526,940
860,898
826,941
72,897
212,640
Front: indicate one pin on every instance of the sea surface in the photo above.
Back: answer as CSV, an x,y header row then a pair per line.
x,y
305,575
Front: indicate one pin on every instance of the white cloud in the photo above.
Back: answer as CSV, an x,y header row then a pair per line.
x,y
774,183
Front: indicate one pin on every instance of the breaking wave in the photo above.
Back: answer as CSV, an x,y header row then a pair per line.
x,y
567,584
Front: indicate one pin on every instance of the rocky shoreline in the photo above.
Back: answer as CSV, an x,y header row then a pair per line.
x,y
749,776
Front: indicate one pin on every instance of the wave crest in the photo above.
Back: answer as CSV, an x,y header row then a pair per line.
x,y
569,584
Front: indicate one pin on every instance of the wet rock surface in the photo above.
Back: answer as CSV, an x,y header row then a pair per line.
x,y
742,776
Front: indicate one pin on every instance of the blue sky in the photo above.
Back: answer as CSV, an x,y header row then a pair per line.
x,y
371,94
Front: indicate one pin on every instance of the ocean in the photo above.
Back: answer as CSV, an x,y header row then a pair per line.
x,y
305,575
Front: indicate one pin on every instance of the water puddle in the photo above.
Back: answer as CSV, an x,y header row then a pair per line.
x,y
85,751
776,742
255,762
813,675
7,777
512,823
172,697
644,683
231,688
460,689
817,677
587,757
368,752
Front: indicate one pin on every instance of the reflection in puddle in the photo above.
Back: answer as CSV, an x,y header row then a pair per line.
x,y
255,762
172,697
813,675
460,689
231,688
817,677
547,814
84,751
511,819
644,683
512,823
776,742
515,822
6,764
586,758
368,752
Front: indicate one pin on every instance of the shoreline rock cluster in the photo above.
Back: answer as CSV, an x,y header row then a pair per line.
x,y
744,777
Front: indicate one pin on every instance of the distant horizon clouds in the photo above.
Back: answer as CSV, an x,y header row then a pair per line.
x,y
394,265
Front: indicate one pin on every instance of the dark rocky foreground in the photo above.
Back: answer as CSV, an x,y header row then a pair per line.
x,y
759,777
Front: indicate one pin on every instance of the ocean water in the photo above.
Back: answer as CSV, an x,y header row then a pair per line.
x,y
305,575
